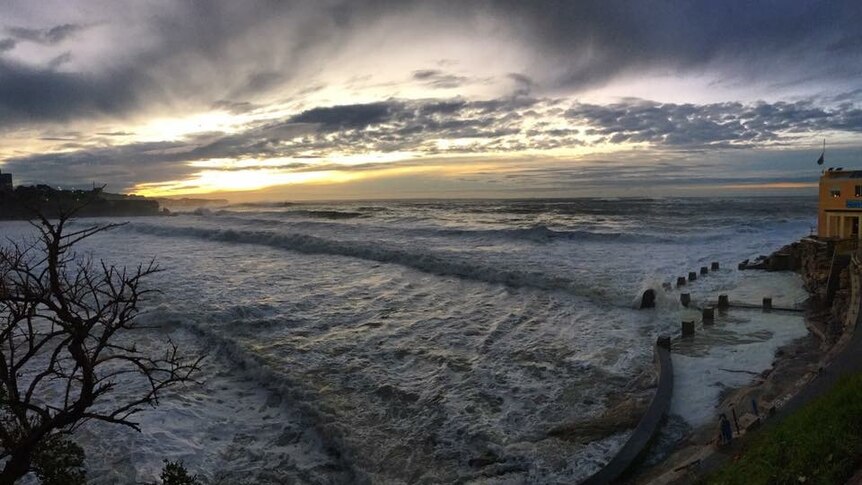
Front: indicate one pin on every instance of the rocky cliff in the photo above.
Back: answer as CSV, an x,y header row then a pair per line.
x,y
824,266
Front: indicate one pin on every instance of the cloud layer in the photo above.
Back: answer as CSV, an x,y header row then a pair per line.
x,y
175,53
431,127
303,84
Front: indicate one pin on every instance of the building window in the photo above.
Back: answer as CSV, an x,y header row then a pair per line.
x,y
858,191
835,192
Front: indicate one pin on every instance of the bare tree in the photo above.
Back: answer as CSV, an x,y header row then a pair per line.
x,y
65,321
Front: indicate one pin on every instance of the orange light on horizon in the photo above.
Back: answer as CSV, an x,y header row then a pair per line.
x,y
769,185
208,181
213,180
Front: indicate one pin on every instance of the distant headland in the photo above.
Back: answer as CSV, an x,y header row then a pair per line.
x,y
24,202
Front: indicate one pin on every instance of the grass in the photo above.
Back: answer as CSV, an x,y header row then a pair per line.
x,y
821,443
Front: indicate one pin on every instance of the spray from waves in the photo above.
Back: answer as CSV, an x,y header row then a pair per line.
x,y
427,262
295,213
255,368
542,233
327,214
263,204
665,299
305,213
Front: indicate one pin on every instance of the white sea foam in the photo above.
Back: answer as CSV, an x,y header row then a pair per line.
x,y
729,354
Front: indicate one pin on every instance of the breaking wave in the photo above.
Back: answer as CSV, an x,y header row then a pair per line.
x,y
542,233
428,262
256,368
539,233
263,204
309,213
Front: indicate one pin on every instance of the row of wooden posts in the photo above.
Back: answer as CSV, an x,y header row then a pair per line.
x,y
708,313
692,276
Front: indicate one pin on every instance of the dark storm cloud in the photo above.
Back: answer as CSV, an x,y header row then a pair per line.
x,y
187,54
718,124
119,167
53,35
436,78
60,60
767,39
7,44
394,125
201,52
523,84
349,116
33,94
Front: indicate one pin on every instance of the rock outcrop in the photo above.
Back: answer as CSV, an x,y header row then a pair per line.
x,y
824,268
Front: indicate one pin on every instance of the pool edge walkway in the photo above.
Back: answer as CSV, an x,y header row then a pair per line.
x,y
635,447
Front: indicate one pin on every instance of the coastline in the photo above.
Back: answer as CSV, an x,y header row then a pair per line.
x,y
795,366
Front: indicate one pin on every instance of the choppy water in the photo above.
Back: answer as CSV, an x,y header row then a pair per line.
x,y
402,342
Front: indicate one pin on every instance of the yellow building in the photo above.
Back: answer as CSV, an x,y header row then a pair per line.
x,y
840,207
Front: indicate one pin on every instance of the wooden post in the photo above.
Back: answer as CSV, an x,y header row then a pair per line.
x,y
663,341
680,281
708,315
767,304
685,299
714,266
688,328
648,299
704,270
692,276
723,302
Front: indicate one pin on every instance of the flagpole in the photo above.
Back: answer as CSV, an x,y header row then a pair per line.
x,y
822,154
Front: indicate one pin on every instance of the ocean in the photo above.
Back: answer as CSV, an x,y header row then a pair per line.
x,y
436,341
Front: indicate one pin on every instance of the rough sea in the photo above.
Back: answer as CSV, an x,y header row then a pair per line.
x,y
435,341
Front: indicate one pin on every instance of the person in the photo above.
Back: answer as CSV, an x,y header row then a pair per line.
x,y
726,430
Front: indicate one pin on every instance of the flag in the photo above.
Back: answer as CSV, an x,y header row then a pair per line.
x,y
820,160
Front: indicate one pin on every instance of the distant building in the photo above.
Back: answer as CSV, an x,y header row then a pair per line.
x,y
840,208
5,182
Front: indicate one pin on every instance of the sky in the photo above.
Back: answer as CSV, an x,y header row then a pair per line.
x,y
338,99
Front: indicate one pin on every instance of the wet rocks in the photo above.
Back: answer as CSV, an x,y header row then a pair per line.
x,y
622,416
826,277
393,394
488,457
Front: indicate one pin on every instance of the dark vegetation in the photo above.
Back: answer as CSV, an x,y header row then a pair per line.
x,y
820,444
174,473
25,203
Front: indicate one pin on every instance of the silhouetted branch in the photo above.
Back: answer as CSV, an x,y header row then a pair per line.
x,y
62,324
